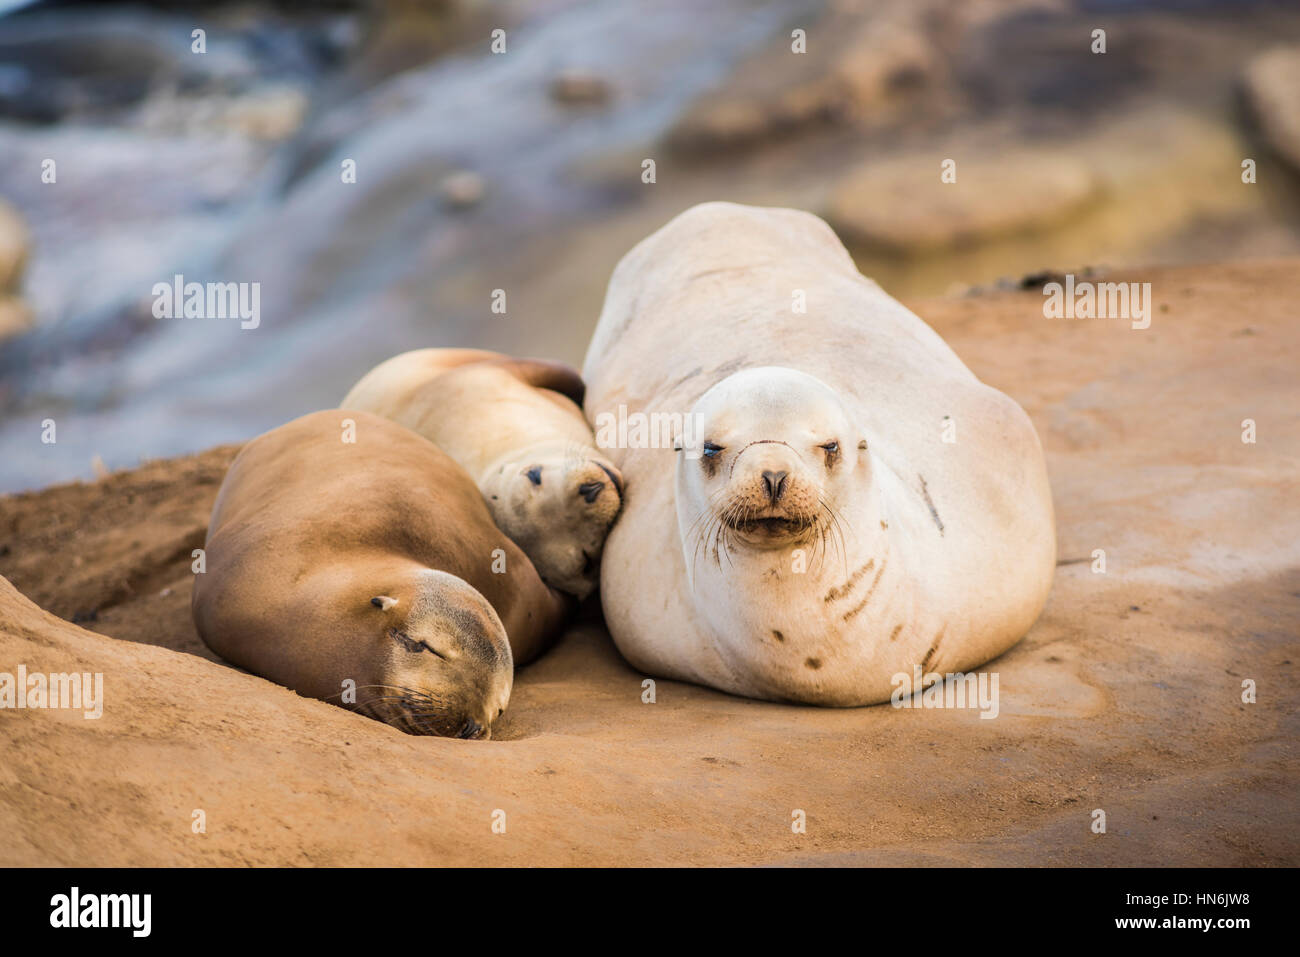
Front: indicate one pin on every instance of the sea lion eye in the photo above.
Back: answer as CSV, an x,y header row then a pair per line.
x,y
405,640
412,645
710,450
831,447
535,475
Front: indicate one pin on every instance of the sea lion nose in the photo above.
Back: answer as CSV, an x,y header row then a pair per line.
x,y
591,490
774,485
470,729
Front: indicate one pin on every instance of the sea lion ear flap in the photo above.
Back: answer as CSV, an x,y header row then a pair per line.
x,y
383,602
862,446
548,374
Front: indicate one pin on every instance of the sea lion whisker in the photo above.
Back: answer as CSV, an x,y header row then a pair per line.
x,y
707,520
384,716
708,513
367,687
835,529
340,694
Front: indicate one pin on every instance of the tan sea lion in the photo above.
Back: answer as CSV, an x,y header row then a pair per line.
x,y
516,426
849,501
372,561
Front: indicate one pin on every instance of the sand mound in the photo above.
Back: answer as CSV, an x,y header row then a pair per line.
x,y
1126,696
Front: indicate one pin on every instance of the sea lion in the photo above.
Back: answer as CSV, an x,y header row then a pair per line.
x,y
516,426
849,501
373,561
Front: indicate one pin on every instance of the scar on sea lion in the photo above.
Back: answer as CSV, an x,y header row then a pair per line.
x,y
866,598
842,591
930,504
934,646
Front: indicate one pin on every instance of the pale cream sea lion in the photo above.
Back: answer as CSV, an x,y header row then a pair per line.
x,y
851,502
373,562
516,426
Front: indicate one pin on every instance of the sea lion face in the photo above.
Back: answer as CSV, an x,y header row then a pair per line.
x,y
446,663
774,449
557,504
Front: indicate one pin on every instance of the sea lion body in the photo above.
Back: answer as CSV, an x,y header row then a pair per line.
x,y
517,427
373,561
775,562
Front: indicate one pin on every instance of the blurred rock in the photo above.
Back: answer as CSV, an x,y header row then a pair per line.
x,y
48,74
864,62
855,62
15,317
901,206
269,113
272,114
15,245
1272,87
579,86
401,35
463,189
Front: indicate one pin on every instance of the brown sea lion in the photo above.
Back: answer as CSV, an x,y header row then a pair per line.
x,y
353,561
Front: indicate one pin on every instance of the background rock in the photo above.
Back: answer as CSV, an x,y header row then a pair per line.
x,y
579,86
15,245
895,206
1272,86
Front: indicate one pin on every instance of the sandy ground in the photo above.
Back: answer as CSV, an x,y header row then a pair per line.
x,y
1126,696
